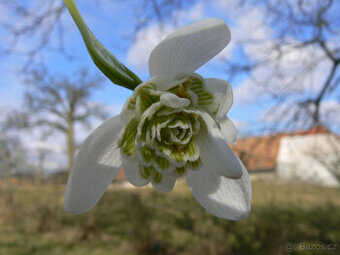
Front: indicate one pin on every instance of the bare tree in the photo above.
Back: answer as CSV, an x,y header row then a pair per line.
x,y
44,21
40,20
302,39
297,62
59,103
148,12
12,155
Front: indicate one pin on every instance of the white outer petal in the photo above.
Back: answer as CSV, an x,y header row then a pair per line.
x,y
223,95
189,47
167,183
223,197
228,130
215,152
132,173
97,163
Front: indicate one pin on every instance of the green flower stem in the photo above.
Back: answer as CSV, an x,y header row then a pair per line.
x,y
102,57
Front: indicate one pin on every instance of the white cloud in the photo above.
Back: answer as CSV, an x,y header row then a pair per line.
x,y
300,70
294,117
148,38
44,145
113,109
241,127
246,92
3,14
330,112
11,88
187,16
246,27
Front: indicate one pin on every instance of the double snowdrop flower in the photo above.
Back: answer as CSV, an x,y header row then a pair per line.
x,y
173,125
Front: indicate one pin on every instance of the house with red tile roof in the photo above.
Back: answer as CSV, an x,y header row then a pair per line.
x,y
310,156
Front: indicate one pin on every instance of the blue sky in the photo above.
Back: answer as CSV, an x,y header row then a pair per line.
x,y
113,24
123,48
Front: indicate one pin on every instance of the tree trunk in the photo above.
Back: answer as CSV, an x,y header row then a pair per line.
x,y
70,144
40,174
8,175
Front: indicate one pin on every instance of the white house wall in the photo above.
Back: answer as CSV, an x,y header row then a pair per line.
x,y
313,158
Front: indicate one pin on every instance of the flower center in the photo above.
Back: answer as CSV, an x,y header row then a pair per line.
x,y
162,132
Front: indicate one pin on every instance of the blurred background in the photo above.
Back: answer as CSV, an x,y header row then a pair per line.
x,y
283,64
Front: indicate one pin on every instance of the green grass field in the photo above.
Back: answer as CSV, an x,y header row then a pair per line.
x,y
144,221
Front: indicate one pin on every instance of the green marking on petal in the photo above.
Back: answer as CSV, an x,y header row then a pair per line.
x,y
166,111
147,154
151,86
147,96
146,171
144,130
132,104
128,140
195,124
177,156
157,177
181,90
142,104
191,148
197,87
180,170
203,96
189,152
180,121
162,162
194,164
